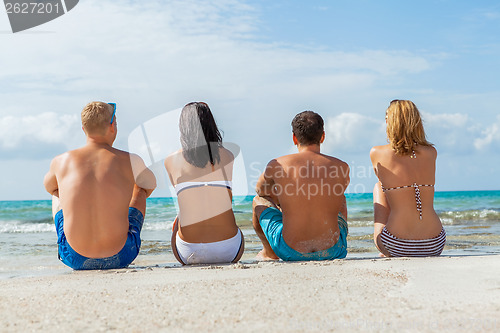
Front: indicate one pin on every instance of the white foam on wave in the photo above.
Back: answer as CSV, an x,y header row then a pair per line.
x,y
446,220
23,227
360,223
472,214
167,225
487,213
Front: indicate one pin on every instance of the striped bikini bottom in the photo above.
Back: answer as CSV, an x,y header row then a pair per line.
x,y
413,248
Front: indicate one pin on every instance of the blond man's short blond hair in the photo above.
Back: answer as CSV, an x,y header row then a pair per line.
x,y
96,116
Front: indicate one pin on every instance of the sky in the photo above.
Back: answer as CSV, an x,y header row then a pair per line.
x,y
257,64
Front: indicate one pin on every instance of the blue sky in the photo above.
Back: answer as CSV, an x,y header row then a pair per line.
x,y
257,64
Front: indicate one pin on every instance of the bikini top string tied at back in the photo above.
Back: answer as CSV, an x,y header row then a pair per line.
x,y
416,186
413,155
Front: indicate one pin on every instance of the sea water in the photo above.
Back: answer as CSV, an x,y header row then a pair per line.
x,y
28,242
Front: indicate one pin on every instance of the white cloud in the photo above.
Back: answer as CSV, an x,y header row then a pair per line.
x,y
459,133
451,133
490,137
168,44
37,135
446,120
353,133
155,56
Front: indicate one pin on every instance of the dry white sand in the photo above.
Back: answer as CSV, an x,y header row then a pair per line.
x,y
390,295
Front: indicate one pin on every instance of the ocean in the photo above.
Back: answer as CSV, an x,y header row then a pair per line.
x,y
28,242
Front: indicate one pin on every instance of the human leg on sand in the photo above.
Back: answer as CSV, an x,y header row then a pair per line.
x,y
260,204
381,211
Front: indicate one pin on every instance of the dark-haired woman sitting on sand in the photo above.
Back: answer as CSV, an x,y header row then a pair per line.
x,y
406,224
205,230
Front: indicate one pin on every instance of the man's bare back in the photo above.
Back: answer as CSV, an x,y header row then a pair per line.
x,y
308,188
95,186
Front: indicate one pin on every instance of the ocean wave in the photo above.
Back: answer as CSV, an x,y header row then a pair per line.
x,y
158,226
7,227
447,217
362,218
25,227
360,222
470,215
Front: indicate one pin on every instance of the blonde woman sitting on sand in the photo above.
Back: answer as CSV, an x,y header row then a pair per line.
x,y
205,230
406,224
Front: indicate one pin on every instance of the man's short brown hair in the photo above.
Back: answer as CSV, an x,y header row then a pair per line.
x,y
96,116
308,127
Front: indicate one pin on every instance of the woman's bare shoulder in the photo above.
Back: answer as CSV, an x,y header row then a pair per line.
x,y
378,150
173,158
430,151
226,155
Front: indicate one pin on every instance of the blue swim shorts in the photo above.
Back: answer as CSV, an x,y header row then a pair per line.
x,y
271,221
120,260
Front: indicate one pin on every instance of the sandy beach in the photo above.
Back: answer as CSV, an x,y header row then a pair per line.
x,y
452,294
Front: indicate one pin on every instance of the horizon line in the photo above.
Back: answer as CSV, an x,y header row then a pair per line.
x,y
251,195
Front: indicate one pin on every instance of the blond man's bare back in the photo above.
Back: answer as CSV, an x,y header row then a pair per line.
x,y
96,183
99,196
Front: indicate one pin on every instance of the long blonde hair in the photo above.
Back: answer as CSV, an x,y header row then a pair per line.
x,y
404,127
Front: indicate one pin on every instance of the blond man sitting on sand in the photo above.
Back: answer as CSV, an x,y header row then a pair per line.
x,y
300,211
102,192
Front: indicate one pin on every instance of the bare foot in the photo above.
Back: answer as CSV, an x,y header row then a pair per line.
x,y
262,256
381,255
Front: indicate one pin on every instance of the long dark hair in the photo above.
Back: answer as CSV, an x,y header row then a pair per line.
x,y
200,137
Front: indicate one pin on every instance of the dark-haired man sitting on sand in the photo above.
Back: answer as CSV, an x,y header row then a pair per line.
x,y
102,192
300,211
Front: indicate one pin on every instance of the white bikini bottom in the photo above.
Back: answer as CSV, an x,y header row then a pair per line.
x,y
224,251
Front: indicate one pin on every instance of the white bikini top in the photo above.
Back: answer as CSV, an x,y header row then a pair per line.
x,y
216,183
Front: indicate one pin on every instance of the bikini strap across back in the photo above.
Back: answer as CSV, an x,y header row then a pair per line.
x,y
214,183
416,186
